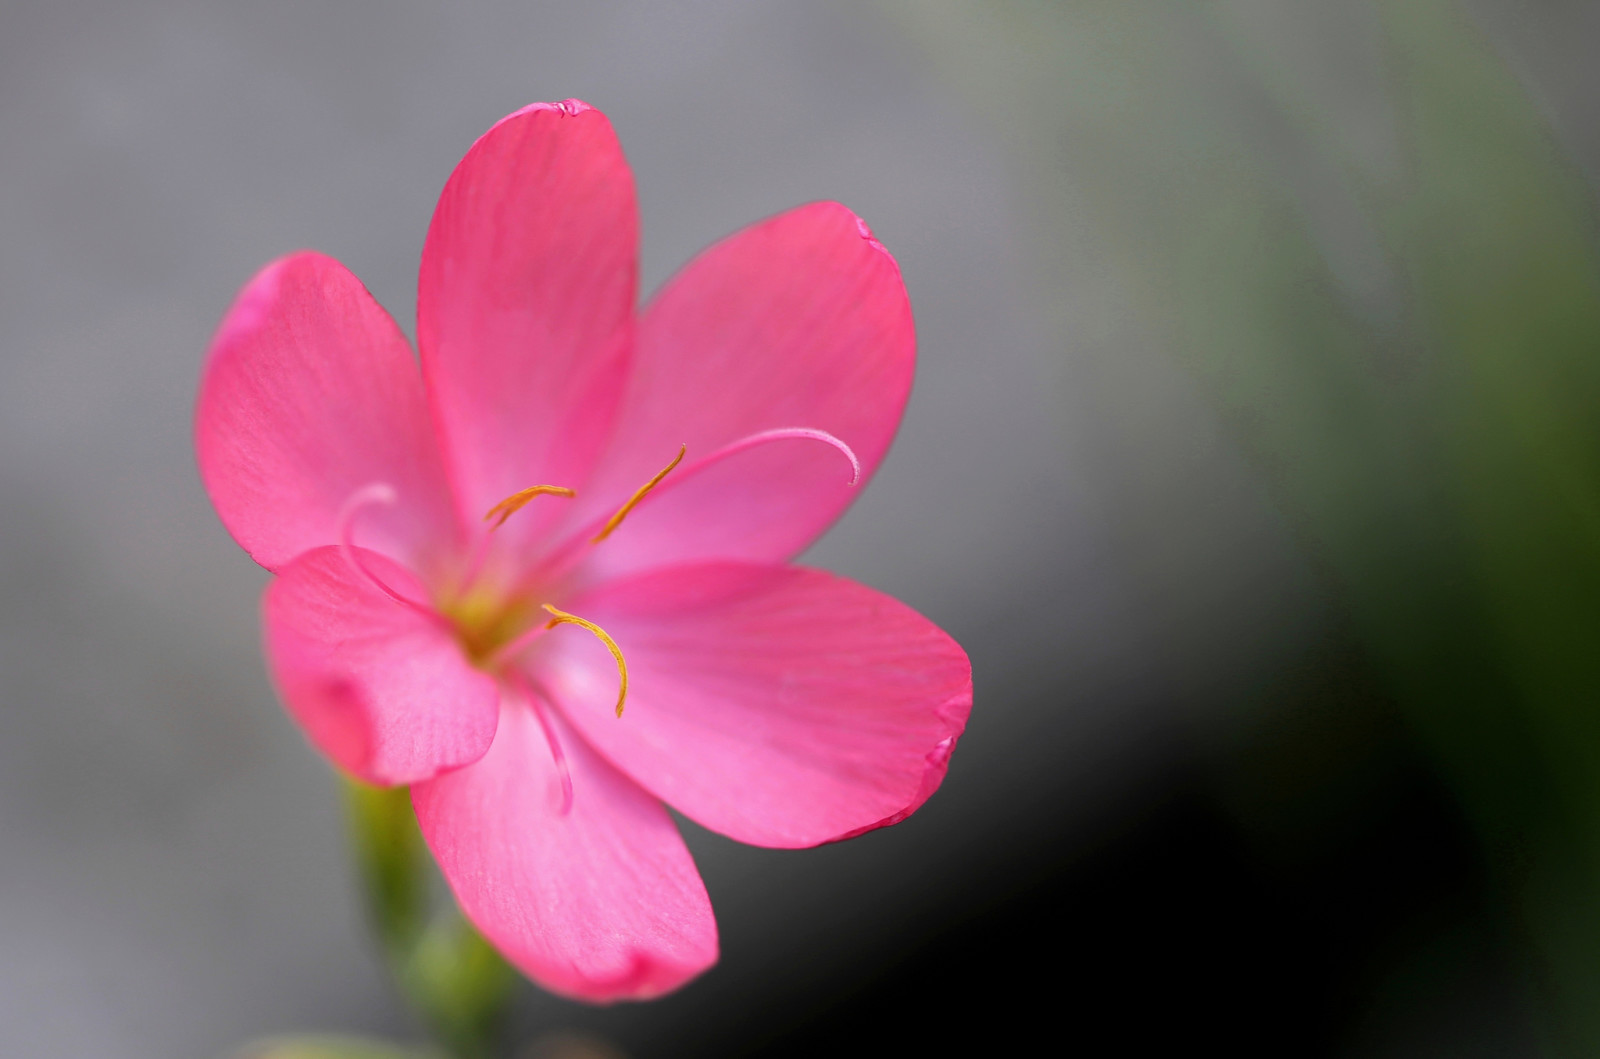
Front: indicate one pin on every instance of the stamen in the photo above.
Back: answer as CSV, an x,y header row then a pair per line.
x,y
514,503
633,501
366,496
569,551
505,509
561,617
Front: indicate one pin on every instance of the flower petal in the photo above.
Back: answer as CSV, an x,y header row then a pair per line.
x,y
602,903
524,305
310,392
800,321
778,705
381,688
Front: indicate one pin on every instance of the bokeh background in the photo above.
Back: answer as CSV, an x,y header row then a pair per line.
x,y
1254,457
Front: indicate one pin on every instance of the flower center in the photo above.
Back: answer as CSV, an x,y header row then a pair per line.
x,y
495,626
493,630
485,621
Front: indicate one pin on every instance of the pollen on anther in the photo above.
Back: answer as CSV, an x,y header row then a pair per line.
x,y
516,501
633,501
561,617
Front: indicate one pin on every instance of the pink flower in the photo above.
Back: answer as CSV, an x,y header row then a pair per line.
x,y
448,614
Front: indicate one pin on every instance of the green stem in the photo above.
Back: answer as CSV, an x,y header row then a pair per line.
x,y
449,975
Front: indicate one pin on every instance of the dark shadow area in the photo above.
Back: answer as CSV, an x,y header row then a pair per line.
x,y
1294,882
1311,890
1175,930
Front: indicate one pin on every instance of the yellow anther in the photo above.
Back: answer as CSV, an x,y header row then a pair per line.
x,y
514,503
633,501
561,617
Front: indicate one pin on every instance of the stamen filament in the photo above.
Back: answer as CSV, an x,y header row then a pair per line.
x,y
515,502
505,509
566,554
561,617
633,501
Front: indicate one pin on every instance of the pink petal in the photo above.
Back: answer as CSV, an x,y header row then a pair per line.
x,y
525,305
381,688
602,903
310,393
800,321
778,705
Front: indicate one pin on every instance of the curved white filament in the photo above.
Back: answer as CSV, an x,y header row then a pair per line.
x,y
365,497
537,701
565,554
750,441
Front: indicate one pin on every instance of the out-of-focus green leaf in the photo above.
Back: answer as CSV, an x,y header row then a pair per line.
x,y
1472,553
1440,460
454,979
391,862
459,981
1498,239
329,1048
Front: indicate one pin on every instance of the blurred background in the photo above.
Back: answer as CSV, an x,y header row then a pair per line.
x,y
1254,458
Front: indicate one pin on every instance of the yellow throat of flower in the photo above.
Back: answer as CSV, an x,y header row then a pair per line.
x,y
493,628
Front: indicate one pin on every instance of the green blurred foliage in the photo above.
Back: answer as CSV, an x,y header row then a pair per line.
x,y
328,1048
1403,327
452,977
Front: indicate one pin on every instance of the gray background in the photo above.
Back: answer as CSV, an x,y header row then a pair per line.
x,y
172,875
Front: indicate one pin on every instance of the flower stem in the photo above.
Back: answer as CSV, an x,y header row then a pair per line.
x,y
455,981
